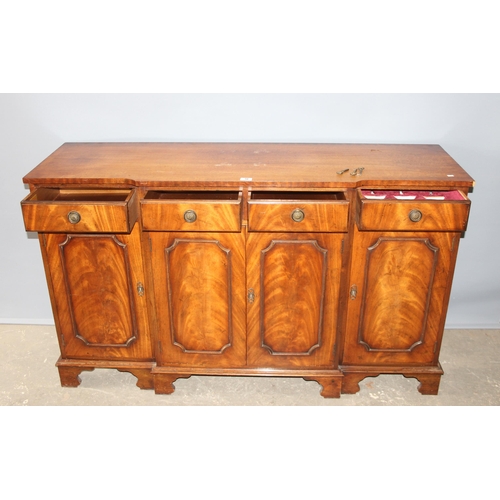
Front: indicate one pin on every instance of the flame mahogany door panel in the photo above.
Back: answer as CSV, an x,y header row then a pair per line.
x,y
199,282
99,298
400,284
293,288
330,262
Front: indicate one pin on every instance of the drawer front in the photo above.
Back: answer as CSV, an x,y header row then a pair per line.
x,y
445,212
80,210
218,212
299,215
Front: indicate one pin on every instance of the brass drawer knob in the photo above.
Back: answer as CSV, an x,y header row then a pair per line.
x,y
74,217
190,216
415,215
298,215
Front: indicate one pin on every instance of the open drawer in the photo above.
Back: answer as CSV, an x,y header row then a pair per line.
x,y
69,210
298,211
191,211
412,210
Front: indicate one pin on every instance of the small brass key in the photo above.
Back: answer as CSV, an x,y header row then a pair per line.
x,y
358,171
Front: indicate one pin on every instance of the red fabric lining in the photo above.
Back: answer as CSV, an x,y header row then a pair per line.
x,y
419,195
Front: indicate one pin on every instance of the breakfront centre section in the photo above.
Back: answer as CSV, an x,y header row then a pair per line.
x,y
329,262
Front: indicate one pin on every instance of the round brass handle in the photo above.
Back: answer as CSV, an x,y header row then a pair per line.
x,y
415,215
298,215
74,217
190,216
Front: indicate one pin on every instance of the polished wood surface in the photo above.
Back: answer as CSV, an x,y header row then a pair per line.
x,y
208,214
249,259
200,298
295,282
106,211
276,214
257,164
330,380
100,313
395,215
402,282
70,369
428,376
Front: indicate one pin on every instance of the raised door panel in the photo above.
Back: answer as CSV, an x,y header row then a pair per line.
x,y
293,288
200,298
398,297
99,296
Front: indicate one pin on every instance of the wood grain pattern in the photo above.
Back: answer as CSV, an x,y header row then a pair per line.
x,y
69,370
200,298
70,375
318,216
428,376
293,286
199,294
394,215
255,164
397,291
329,379
403,286
355,289
168,215
113,211
99,313
292,321
98,285
331,387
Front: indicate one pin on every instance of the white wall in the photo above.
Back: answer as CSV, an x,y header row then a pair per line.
x,y
467,126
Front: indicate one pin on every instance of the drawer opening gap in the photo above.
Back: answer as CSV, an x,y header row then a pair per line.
x,y
298,195
193,195
407,194
80,195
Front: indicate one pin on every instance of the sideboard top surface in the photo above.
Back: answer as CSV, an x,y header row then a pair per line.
x,y
285,165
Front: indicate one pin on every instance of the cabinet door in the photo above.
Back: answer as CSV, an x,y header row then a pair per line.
x,y
293,288
199,283
98,295
400,285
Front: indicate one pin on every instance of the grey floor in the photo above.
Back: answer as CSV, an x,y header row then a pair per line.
x,y
28,376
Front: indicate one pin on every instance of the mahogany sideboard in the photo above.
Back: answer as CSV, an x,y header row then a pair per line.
x,y
329,262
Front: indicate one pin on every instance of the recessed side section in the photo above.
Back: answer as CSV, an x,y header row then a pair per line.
x,y
298,211
191,211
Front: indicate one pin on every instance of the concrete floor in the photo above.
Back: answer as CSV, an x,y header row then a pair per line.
x,y
28,376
